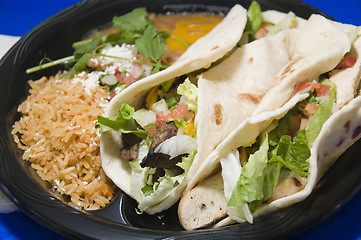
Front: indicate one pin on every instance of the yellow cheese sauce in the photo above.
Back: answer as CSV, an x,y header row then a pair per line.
x,y
183,27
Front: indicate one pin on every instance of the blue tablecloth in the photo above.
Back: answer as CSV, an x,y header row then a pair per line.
x,y
18,16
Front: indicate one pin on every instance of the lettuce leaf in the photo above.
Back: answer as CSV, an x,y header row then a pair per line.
x,y
165,185
274,151
190,93
287,22
321,115
249,187
123,123
293,155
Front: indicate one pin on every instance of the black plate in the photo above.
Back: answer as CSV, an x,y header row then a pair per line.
x,y
53,38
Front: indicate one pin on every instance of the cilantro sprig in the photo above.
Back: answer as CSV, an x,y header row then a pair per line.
x,y
135,28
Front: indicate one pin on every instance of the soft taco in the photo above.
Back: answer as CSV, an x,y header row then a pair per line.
x,y
148,149
285,142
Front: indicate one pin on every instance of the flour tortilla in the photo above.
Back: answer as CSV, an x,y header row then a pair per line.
x,y
318,49
315,48
311,51
347,80
274,17
203,52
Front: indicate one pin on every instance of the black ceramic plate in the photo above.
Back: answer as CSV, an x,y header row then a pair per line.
x,y
53,38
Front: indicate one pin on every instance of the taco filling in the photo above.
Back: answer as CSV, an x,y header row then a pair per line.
x,y
158,139
276,165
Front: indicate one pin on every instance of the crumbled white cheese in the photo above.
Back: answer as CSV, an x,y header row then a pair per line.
x,y
111,65
124,51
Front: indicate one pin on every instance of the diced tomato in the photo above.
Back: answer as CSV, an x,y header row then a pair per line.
x,y
119,76
303,86
262,32
179,112
160,119
347,61
126,79
311,108
321,89
129,79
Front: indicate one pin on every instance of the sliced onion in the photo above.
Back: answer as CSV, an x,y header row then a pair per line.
x,y
109,80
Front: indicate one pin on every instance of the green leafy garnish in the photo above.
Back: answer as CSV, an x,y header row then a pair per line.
x,y
179,122
249,187
123,123
171,102
151,44
276,150
293,154
135,28
323,113
133,24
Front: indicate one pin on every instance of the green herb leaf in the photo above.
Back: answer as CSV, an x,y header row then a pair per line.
x,y
87,48
80,65
133,24
151,44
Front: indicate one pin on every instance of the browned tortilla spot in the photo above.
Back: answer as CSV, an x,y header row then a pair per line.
x,y
288,68
347,126
356,132
249,97
217,114
324,34
250,61
214,48
340,142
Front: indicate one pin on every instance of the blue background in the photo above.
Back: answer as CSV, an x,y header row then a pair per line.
x,y
18,16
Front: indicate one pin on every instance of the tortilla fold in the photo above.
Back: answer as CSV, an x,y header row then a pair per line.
x,y
202,53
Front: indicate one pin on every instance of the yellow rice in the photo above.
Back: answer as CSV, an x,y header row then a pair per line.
x,y
56,131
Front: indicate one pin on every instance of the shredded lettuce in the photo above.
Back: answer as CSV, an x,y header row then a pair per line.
x,y
323,113
123,123
249,187
187,161
144,117
231,170
287,22
271,152
190,93
164,187
293,154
